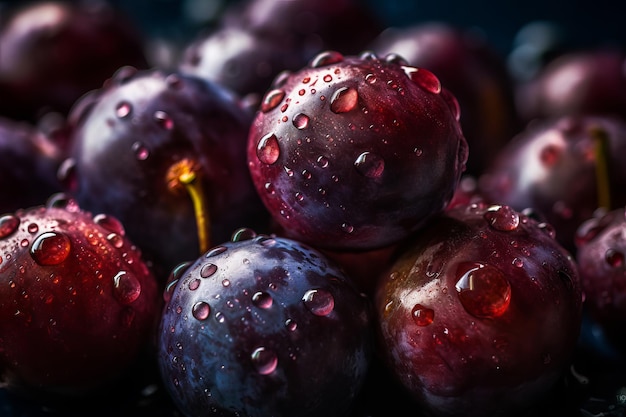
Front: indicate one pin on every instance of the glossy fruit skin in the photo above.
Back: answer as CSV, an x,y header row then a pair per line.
x,y
77,302
130,134
471,69
53,52
494,348
551,167
28,164
254,295
601,243
351,153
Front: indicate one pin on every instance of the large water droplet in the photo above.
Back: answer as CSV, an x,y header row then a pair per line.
x,y
614,258
422,316
264,360
326,58
163,120
63,201
243,234
271,100
262,299
126,287
301,121
483,290
33,228
370,165
502,218
207,270
216,251
8,225
110,223
343,100
201,310
116,240
424,78
123,109
319,301
268,149
51,248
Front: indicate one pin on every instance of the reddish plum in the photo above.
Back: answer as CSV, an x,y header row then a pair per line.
x,y
356,152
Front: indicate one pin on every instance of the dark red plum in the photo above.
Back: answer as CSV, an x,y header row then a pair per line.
x,y
564,168
471,69
165,153
53,52
78,304
263,326
480,313
354,153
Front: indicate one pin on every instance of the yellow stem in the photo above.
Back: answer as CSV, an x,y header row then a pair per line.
x,y
603,179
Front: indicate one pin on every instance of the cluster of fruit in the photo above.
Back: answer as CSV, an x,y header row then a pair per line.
x,y
307,213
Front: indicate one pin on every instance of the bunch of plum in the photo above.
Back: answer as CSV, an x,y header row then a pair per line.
x,y
306,213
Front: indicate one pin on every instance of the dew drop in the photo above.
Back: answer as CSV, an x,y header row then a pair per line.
x,y
548,229
33,228
262,299
422,316
271,100
116,240
140,150
264,360
328,78
208,270
24,243
216,251
242,234
370,78
343,100
110,223
319,302
518,262
483,289
424,78
163,120
226,282
347,227
614,258
322,161
268,149
194,284
502,218
370,165
291,325
300,121
51,248
201,310
126,287
219,316
63,201
326,58
8,225
123,109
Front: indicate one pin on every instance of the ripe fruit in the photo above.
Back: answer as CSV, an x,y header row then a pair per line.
x,y
480,313
601,243
77,302
564,168
263,326
53,52
165,154
356,152
471,69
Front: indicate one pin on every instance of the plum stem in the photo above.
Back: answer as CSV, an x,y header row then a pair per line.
x,y
601,151
185,173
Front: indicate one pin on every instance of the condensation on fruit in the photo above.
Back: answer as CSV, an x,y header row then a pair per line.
x,y
344,100
126,287
264,360
8,225
51,248
201,310
271,100
319,302
370,165
482,289
424,78
326,58
262,299
268,149
422,316
502,218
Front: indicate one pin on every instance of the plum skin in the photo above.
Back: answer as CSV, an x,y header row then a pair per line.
x,y
351,130
206,361
463,363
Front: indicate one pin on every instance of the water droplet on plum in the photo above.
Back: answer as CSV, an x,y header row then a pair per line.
x,y
243,234
271,100
301,121
116,240
123,109
326,58
51,248
264,360
262,299
63,201
208,270
422,316
141,151
8,225
201,310
483,290
268,149
110,223
614,258
126,287
502,218
343,100
370,165
216,251
319,301
194,284
424,78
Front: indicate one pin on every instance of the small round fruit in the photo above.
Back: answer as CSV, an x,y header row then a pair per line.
x,y
356,152
480,313
263,326
77,303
